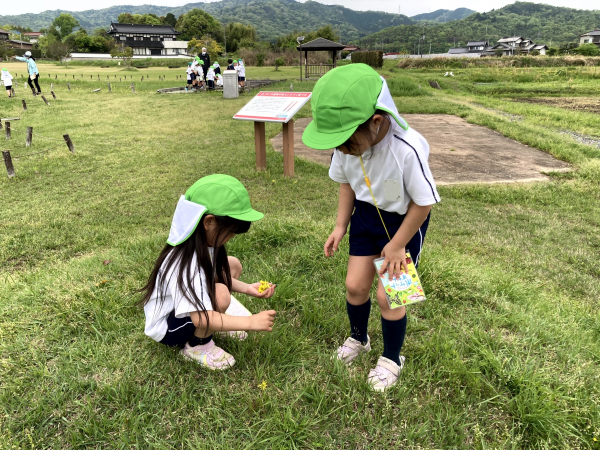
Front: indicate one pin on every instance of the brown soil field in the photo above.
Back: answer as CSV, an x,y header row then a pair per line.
x,y
587,104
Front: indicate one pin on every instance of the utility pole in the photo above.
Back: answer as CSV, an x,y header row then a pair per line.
x,y
225,38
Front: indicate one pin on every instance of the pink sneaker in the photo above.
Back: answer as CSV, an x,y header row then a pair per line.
x,y
208,355
385,373
351,348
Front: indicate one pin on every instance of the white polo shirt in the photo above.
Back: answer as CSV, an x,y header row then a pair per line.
x,y
397,168
174,300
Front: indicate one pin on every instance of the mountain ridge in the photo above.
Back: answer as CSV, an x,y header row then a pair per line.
x,y
271,18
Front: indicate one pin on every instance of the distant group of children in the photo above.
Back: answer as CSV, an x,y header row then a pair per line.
x,y
385,198
198,73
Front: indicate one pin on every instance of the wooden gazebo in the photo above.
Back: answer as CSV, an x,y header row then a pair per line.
x,y
318,45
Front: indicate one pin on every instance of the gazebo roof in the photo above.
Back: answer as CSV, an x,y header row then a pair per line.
x,y
321,44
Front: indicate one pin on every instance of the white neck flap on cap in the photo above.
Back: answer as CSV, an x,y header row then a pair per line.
x,y
386,103
185,220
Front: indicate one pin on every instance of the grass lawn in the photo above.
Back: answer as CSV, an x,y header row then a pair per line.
x,y
505,352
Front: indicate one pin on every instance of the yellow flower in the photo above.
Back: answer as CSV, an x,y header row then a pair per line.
x,y
264,285
263,385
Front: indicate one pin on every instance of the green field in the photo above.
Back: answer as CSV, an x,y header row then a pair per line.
x,y
505,352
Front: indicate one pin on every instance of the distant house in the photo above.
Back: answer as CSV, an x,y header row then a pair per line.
x,y
591,37
149,40
515,45
13,43
477,46
33,36
473,48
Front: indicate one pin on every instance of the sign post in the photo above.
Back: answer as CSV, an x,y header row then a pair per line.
x,y
274,107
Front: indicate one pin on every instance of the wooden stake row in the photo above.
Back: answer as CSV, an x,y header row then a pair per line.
x,y
10,168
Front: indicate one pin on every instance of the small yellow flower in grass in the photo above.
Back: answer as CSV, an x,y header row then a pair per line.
x,y
102,282
263,385
264,285
595,440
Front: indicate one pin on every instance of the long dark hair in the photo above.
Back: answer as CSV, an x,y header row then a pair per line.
x,y
216,268
364,129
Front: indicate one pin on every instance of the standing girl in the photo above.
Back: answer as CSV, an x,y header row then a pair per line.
x,y
190,287
7,78
32,70
386,193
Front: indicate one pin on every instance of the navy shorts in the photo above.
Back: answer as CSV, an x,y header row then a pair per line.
x,y
368,237
179,331
241,78
192,76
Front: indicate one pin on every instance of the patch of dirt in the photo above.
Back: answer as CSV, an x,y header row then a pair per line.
x,y
460,152
586,104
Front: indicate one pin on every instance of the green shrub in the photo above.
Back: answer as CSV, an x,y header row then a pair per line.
x,y
587,50
373,59
260,59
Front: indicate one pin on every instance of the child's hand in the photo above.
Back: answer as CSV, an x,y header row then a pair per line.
x,y
263,321
395,260
333,241
254,292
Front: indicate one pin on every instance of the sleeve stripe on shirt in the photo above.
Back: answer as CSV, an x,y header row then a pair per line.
x,y
421,164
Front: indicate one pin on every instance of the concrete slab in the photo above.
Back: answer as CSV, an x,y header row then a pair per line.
x,y
460,152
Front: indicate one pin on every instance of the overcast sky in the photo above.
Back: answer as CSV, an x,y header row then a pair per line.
x,y
407,7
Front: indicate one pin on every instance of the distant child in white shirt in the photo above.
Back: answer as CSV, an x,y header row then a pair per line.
x,y
191,76
7,78
241,70
210,78
218,80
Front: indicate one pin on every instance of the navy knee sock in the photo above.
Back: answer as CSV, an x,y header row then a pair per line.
x,y
359,320
199,341
393,337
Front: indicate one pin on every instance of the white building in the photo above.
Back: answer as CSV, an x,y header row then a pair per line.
x,y
148,40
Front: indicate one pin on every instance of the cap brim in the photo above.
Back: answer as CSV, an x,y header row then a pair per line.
x,y
249,216
325,141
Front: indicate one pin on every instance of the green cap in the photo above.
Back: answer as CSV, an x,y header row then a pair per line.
x,y
220,195
342,99
189,64
223,195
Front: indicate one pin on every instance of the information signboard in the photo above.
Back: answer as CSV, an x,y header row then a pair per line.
x,y
273,106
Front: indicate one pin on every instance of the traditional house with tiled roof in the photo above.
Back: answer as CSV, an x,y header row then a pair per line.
x,y
591,37
150,40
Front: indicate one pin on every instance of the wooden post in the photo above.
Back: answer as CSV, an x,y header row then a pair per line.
x,y
12,91
288,148
53,95
24,105
51,86
7,126
29,137
69,143
260,144
132,88
56,77
120,79
0,124
73,76
10,170
45,101
68,85
109,88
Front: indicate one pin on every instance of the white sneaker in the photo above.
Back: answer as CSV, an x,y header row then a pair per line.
x,y
385,373
350,349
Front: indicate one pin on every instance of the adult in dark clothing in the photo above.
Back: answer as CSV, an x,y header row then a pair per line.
x,y
205,57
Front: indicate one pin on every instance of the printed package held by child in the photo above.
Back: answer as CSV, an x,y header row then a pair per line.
x,y
403,290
